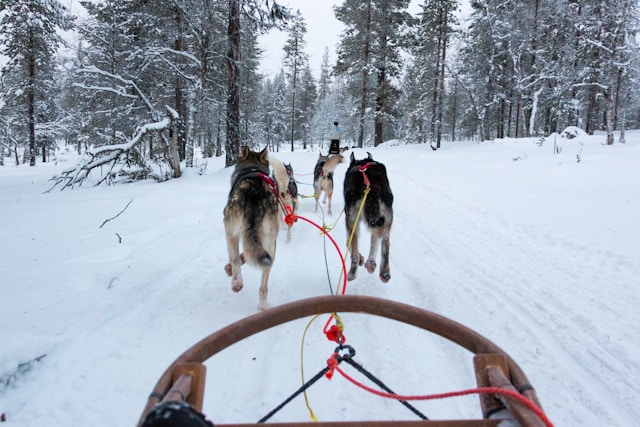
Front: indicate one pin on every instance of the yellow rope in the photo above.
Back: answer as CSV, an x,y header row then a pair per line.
x,y
355,224
337,318
306,399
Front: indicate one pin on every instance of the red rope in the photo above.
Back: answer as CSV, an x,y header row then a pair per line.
x,y
482,390
291,217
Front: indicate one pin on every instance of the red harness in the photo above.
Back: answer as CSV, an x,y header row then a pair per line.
x,y
363,169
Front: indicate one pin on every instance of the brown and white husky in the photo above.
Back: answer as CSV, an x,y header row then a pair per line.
x,y
287,187
323,178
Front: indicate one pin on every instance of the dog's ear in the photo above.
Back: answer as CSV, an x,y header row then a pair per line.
x,y
264,154
244,152
369,157
353,157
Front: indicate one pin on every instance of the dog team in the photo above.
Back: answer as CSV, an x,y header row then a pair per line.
x,y
264,194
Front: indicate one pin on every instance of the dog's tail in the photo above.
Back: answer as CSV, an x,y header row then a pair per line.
x,y
254,251
332,163
280,173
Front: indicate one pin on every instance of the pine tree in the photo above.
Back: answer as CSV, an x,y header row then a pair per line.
x,y
294,60
260,14
30,41
368,56
430,45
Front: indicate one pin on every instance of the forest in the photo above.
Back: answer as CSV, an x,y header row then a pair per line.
x,y
150,86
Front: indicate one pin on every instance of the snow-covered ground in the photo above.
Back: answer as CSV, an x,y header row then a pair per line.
x,y
536,251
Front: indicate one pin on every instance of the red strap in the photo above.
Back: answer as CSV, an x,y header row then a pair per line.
x,y
363,169
269,181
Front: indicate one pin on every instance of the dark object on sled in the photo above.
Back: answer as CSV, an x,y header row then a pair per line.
x,y
334,147
184,379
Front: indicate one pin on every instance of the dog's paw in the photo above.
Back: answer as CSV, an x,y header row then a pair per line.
x,y
236,285
361,260
385,276
242,259
370,265
353,271
227,269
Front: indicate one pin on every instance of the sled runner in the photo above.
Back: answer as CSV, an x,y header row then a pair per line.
x,y
506,396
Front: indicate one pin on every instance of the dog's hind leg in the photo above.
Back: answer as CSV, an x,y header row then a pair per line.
x,y
270,231
264,288
356,258
385,271
328,194
235,262
371,265
316,195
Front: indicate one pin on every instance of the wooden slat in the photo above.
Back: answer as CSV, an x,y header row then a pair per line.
x,y
523,414
481,363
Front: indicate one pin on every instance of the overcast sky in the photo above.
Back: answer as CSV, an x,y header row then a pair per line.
x,y
323,30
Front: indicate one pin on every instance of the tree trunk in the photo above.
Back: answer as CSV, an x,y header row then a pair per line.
x,y
443,35
436,83
365,77
173,149
31,100
232,146
293,95
378,126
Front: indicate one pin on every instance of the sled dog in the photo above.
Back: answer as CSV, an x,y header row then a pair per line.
x,y
377,213
287,187
251,216
323,178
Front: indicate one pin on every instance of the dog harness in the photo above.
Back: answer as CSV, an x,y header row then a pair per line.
x,y
255,173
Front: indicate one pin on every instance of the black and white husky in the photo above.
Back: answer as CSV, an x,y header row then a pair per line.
x,y
377,213
251,216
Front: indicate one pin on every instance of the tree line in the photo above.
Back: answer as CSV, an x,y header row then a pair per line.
x,y
147,86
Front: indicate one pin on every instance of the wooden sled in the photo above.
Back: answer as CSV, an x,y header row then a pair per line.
x,y
184,379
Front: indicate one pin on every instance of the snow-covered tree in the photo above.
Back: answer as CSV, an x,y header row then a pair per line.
x,y
294,61
427,72
368,56
30,38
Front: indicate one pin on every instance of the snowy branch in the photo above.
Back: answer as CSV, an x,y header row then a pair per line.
x,y
105,89
110,155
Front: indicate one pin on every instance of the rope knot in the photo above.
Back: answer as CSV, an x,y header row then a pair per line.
x,y
332,364
289,217
335,334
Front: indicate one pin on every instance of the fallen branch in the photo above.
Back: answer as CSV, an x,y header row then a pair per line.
x,y
119,213
111,155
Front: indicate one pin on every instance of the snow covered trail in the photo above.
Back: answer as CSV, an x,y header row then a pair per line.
x,y
513,282
522,251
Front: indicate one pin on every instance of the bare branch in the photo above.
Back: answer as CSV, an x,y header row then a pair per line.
x,y
119,213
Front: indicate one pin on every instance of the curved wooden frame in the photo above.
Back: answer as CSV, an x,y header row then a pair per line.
x,y
486,369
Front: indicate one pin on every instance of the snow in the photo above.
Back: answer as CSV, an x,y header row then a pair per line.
x,y
534,250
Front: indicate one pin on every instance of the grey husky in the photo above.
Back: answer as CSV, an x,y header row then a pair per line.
x,y
251,216
377,213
